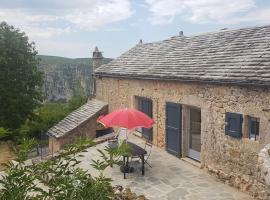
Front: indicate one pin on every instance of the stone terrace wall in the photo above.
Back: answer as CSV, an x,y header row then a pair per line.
x,y
264,167
233,160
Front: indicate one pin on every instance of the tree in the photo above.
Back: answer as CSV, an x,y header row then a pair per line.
x,y
20,79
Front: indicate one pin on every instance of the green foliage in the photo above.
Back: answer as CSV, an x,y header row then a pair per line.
x,y
48,115
20,79
60,178
75,102
17,184
110,156
24,148
4,133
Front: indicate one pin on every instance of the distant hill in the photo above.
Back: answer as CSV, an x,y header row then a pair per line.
x,y
57,61
65,77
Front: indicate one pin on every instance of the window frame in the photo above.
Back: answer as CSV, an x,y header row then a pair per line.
x,y
253,136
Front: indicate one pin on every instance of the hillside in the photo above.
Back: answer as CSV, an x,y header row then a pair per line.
x,y
58,61
66,77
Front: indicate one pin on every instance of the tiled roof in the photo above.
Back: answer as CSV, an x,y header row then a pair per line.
x,y
239,56
76,118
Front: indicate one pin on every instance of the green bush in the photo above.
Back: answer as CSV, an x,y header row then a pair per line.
x,y
60,178
48,115
4,133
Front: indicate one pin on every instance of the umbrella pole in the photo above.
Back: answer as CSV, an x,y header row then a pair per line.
x,y
126,135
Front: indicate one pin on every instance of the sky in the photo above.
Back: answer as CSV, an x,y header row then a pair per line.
x,y
72,28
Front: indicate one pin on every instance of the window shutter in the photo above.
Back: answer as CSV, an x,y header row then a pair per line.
x,y
139,104
250,127
233,126
150,109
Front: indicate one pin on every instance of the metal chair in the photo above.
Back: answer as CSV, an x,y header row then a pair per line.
x,y
113,142
148,148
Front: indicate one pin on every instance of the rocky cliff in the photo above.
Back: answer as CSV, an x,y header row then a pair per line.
x,y
65,77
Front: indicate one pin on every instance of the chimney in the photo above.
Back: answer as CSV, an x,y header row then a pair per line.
x,y
181,33
97,61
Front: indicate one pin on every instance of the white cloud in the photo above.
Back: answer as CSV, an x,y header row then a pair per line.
x,y
101,13
51,18
202,11
66,49
261,16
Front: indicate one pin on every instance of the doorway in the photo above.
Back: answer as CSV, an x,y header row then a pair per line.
x,y
194,150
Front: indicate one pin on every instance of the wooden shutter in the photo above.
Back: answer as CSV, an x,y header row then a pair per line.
x,y
145,105
233,126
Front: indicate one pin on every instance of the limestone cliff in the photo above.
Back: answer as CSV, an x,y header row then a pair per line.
x,y
65,77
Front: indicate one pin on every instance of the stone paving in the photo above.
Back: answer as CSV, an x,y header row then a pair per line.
x,y
169,178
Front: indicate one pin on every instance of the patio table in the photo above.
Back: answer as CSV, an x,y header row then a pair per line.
x,y
137,151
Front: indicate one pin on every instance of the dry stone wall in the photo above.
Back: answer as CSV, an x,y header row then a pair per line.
x,y
264,167
232,160
264,164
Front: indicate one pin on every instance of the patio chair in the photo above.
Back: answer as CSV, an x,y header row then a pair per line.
x,y
113,142
148,149
134,160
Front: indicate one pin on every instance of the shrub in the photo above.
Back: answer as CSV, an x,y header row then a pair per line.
x,y
48,115
60,178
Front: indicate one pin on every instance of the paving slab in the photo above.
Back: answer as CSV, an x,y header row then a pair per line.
x,y
170,178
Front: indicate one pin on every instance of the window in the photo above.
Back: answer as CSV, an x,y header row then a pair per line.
x,y
233,126
253,128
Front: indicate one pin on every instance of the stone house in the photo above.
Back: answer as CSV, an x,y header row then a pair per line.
x,y
209,96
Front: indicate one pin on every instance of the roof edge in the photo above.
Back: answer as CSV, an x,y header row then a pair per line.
x,y
83,122
217,82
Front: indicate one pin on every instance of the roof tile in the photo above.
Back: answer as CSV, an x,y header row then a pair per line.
x,y
76,118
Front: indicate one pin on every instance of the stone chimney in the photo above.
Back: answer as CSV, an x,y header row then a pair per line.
x,y
181,33
97,61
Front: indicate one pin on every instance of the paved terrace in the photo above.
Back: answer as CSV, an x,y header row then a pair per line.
x,y
170,178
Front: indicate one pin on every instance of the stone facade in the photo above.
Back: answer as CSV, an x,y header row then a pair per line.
x,y
232,160
85,130
264,166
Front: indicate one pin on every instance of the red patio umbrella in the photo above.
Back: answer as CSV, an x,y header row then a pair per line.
x,y
128,118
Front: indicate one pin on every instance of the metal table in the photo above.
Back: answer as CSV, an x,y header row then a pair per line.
x,y
137,151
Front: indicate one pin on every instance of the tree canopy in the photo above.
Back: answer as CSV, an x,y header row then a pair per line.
x,y
20,79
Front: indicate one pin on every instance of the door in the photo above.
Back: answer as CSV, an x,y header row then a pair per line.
x,y
145,105
173,128
195,134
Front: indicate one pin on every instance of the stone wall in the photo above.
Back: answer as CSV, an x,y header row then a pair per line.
x,y
85,130
264,167
232,160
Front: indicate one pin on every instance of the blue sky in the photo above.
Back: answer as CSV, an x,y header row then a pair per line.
x,y
72,28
